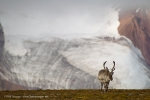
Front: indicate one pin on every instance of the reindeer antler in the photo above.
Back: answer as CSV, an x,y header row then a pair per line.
x,y
104,64
113,66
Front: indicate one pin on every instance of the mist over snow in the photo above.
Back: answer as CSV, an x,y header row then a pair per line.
x,y
63,44
58,20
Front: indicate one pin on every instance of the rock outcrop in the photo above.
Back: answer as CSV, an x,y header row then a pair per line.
x,y
135,25
1,40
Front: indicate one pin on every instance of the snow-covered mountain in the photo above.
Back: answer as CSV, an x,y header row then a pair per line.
x,y
54,46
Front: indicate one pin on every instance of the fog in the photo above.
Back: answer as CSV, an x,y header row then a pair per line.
x,y
58,19
67,18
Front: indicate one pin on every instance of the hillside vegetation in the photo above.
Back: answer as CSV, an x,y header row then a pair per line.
x,y
75,95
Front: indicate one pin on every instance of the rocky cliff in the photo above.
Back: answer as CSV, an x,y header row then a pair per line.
x,y
135,25
1,40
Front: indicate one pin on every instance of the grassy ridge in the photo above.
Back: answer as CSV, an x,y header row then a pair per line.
x,y
75,95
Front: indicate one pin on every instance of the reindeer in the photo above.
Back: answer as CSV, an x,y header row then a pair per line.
x,y
105,76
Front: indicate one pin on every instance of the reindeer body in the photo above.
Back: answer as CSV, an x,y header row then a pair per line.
x,y
105,76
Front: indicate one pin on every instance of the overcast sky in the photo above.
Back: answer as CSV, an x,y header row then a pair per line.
x,y
61,17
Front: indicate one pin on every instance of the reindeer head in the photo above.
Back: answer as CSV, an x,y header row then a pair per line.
x,y
109,73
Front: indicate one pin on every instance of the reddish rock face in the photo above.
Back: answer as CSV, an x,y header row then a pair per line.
x,y
6,85
135,25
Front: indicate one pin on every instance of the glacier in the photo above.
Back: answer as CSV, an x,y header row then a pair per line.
x,y
74,64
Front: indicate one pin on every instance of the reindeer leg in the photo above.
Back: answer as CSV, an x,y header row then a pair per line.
x,y
107,84
104,90
105,87
101,86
